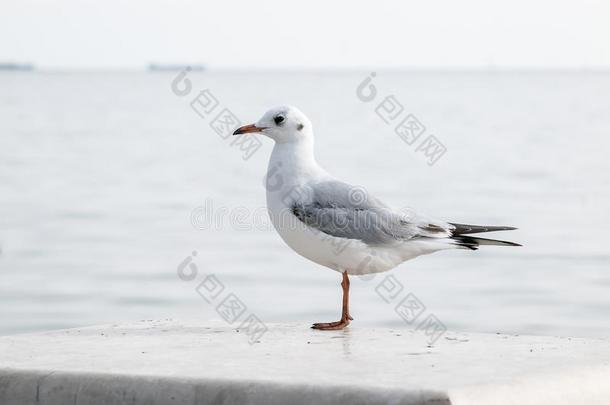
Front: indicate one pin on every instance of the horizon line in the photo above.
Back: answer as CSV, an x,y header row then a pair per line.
x,y
202,68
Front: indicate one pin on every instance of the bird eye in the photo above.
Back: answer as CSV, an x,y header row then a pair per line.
x,y
278,120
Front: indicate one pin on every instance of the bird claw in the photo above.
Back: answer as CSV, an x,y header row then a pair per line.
x,y
338,325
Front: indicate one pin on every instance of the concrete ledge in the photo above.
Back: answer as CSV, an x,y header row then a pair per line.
x,y
167,362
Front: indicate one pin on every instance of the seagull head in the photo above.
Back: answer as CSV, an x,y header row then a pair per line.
x,y
283,124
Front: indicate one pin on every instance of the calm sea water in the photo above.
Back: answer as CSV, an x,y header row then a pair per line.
x,y
100,172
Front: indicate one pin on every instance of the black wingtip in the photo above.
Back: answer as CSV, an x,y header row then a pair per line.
x,y
473,243
504,243
466,229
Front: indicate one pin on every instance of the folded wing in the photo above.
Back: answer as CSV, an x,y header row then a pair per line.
x,y
341,210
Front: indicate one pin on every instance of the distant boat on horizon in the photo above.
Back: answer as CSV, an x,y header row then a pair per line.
x,y
25,67
174,67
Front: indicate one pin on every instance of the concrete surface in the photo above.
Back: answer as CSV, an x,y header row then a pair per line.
x,y
169,362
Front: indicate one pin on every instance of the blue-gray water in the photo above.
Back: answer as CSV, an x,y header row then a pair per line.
x,y
99,174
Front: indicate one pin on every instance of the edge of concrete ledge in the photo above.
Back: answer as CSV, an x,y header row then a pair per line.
x,y
34,387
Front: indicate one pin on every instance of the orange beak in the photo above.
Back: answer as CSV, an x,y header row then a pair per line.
x,y
247,129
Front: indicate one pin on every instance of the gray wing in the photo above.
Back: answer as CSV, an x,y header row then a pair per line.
x,y
341,210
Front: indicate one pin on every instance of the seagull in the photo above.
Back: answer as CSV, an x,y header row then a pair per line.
x,y
339,225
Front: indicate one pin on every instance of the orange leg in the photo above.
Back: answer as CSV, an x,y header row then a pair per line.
x,y
345,316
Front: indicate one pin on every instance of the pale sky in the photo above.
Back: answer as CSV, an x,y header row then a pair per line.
x,y
308,34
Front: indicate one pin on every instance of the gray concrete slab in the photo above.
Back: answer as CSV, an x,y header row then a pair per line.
x,y
170,362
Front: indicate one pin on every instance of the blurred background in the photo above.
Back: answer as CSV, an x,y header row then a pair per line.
x,y
103,166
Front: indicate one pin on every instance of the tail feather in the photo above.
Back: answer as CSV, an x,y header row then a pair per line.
x,y
464,229
473,243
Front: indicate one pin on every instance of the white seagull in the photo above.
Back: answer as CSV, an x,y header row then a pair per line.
x,y
340,226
